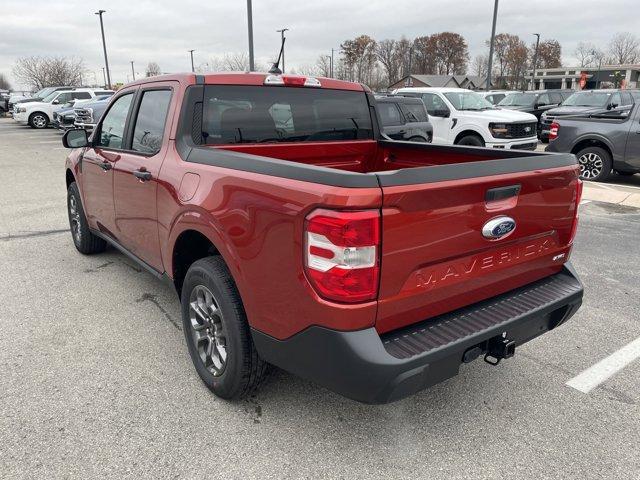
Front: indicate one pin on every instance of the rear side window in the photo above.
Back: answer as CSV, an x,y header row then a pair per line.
x,y
81,95
415,112
234,114
112,128
149,123
389,114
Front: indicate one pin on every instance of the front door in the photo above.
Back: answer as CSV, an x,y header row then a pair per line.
x,y
439,116
136,175
632,151
98,163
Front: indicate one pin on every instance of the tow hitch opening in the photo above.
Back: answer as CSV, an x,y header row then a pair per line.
x,y
499,348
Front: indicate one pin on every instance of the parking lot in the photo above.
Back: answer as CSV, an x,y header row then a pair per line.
x,y
96,380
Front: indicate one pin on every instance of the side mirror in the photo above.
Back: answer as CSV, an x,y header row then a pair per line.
x,y
76,138
56,102
611,106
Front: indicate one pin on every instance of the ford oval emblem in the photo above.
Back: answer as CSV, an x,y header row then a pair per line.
x,y
499,227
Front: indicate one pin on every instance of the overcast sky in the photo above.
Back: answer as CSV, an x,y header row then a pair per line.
x,y
163,30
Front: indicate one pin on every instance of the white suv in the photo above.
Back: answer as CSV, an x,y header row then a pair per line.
x,y
462,117
39,114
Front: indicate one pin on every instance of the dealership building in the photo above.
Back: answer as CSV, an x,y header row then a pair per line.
x,y
569,77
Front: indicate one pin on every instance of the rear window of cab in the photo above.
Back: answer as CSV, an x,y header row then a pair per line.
x,y
240,114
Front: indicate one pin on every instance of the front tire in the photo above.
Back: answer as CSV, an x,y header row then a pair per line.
x,y
595,164
38,120
217,332
471,141
85,241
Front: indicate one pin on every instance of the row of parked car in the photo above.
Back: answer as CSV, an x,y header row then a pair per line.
x,y
63,107
601,126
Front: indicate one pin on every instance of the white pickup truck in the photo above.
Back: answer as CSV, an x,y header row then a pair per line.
x,y
463,117
39,114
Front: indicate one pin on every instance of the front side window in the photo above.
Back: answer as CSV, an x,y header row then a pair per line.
x,y
234,114
112,128
389,114
518,100
149,124
81,95
434,103
544,99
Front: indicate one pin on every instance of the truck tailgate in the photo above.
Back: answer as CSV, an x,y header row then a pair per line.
x,y
434,256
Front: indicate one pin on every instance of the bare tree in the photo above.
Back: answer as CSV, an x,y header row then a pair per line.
x,y
480,65
624,48
323,66
584,53
360,58
39,72
4,82
153,69
386,53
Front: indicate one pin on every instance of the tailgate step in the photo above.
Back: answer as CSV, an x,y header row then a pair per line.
x,y
487,316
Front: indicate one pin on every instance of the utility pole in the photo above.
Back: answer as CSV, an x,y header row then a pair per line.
x,y
535,62
331,64
192,68
409,82
104,76
493,36
250,28
282,43
133,72
104,48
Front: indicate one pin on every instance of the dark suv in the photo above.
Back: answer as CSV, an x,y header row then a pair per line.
x,y
404,118
535,102
584,102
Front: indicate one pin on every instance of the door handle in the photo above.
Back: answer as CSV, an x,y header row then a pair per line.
x,y
105,166
142,175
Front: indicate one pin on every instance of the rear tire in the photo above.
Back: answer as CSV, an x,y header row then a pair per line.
x,y
85,241
471,141
38,120
595,164
217,332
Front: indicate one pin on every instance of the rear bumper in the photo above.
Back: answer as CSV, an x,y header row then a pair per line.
x,y
366,367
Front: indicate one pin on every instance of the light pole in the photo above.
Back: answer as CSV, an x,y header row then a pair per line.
x,y
282,43
493,36
104,76
133,73
331,70
535,62
191,52
409,81
250,29
104,47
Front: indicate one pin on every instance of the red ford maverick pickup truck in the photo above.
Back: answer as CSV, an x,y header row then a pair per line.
x,y
296,234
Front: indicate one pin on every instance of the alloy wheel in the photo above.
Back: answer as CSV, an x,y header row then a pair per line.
x,y
207,330
590,165
74,218
39,121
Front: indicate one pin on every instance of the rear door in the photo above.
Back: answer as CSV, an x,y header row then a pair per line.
x,y
135,180
435,255
392,120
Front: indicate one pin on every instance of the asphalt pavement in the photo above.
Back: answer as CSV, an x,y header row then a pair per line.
x,y
96,380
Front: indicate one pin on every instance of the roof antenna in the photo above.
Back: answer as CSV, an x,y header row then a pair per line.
x,y
275,69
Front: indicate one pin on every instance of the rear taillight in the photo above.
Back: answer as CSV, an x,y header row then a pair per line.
x,y
341,254
553,131
574,227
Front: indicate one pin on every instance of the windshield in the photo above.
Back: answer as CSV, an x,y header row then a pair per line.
x,y
248,114
587,99
49,98
519,100
43,92
468,101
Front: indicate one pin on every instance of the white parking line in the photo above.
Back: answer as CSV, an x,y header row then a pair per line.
x,y
584,202
605,368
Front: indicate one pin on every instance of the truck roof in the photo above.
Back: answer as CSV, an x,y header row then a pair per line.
x,y
244,78
432,89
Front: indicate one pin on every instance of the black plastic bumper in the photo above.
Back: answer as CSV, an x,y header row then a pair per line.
x,y
370,368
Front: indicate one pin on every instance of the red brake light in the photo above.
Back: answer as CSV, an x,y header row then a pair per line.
x,y
553,131
341,254
292,81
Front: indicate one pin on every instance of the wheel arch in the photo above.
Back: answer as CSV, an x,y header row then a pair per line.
x,y
592,142
469,131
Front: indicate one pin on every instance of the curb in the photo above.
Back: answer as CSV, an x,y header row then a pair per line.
x,y
618,197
